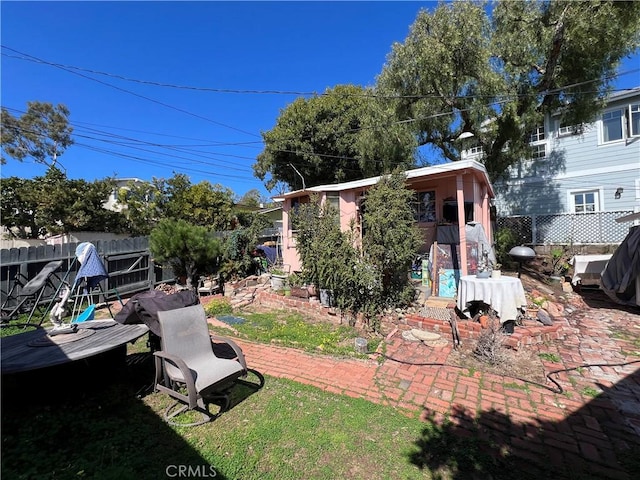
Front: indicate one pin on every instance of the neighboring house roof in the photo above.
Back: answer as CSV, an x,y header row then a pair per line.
x,y
125,181
442,169
270,210
623,94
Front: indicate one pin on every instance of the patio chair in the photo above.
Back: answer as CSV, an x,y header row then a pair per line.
x,y
34,293
188,369
209,285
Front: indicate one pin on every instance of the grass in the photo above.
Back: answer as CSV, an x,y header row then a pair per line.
x,y
633,339
550,357
590,392
91,420
102,423
291,330
517,386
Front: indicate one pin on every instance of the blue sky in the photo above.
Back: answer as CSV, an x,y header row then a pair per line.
x,y
238,46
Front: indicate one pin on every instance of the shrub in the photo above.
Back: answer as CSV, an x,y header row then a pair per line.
x,y
369,279
218,306
189,249
505,240
490,347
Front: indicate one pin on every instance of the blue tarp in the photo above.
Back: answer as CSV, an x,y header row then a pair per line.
x,y
270,252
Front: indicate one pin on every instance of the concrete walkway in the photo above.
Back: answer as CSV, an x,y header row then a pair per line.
x,y
589,430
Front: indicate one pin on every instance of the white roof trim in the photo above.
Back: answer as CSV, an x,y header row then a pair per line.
x,y
444,168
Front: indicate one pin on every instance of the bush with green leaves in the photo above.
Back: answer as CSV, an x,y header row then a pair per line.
x,y
504,240
391,237
238,261
190,250
218,306
369,279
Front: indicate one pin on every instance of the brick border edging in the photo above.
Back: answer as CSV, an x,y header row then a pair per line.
x,y
522,336
527,335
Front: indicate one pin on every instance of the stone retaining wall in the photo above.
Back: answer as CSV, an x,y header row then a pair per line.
x,y
256,292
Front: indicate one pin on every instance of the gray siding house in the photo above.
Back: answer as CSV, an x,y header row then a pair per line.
x,y
578,179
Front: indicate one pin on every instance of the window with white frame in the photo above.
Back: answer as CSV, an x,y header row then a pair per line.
x,y
565,130
585,201
537,135
612,126
634,120
475,150
538,143
539,151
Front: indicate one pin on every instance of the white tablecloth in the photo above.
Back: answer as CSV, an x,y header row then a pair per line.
x,y
505,295
588,267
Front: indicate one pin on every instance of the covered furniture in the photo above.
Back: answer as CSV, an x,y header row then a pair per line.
x,y
588,267
505,295
188,369
621,277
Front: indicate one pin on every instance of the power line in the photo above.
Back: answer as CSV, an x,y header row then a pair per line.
x,y
226,164
73,68
157,163
146,98
375,127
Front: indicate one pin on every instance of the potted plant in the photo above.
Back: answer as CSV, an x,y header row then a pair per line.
x,y
298,288
559,264
278,278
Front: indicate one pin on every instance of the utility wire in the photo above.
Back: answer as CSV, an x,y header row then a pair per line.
x,y
148,99
453,112
30,58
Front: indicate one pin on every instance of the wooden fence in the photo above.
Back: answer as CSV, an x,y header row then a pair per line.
x,y
128,262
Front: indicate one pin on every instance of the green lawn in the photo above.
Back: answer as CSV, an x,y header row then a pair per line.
x,y
100,421
292,330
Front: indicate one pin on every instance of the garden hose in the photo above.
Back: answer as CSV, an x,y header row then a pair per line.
x,y
559,389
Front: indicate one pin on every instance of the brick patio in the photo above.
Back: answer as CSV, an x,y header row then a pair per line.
x,y
581,432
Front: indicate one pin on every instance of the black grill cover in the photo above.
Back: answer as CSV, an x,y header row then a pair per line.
x,y
144,307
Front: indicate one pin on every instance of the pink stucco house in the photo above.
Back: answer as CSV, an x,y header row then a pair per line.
x,y
444,194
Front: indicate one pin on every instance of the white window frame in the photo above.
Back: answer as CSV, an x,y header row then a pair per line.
x,y
538,151
619,110
597,201
538,135
475,150
634,114
565,130
538,143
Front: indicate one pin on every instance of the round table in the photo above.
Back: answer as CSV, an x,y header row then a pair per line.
x,y
35,349
504,294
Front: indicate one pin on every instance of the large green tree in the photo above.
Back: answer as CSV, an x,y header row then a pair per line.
x,y
19,203
51,204
141,205
42,133
495,73
203,204
329,138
